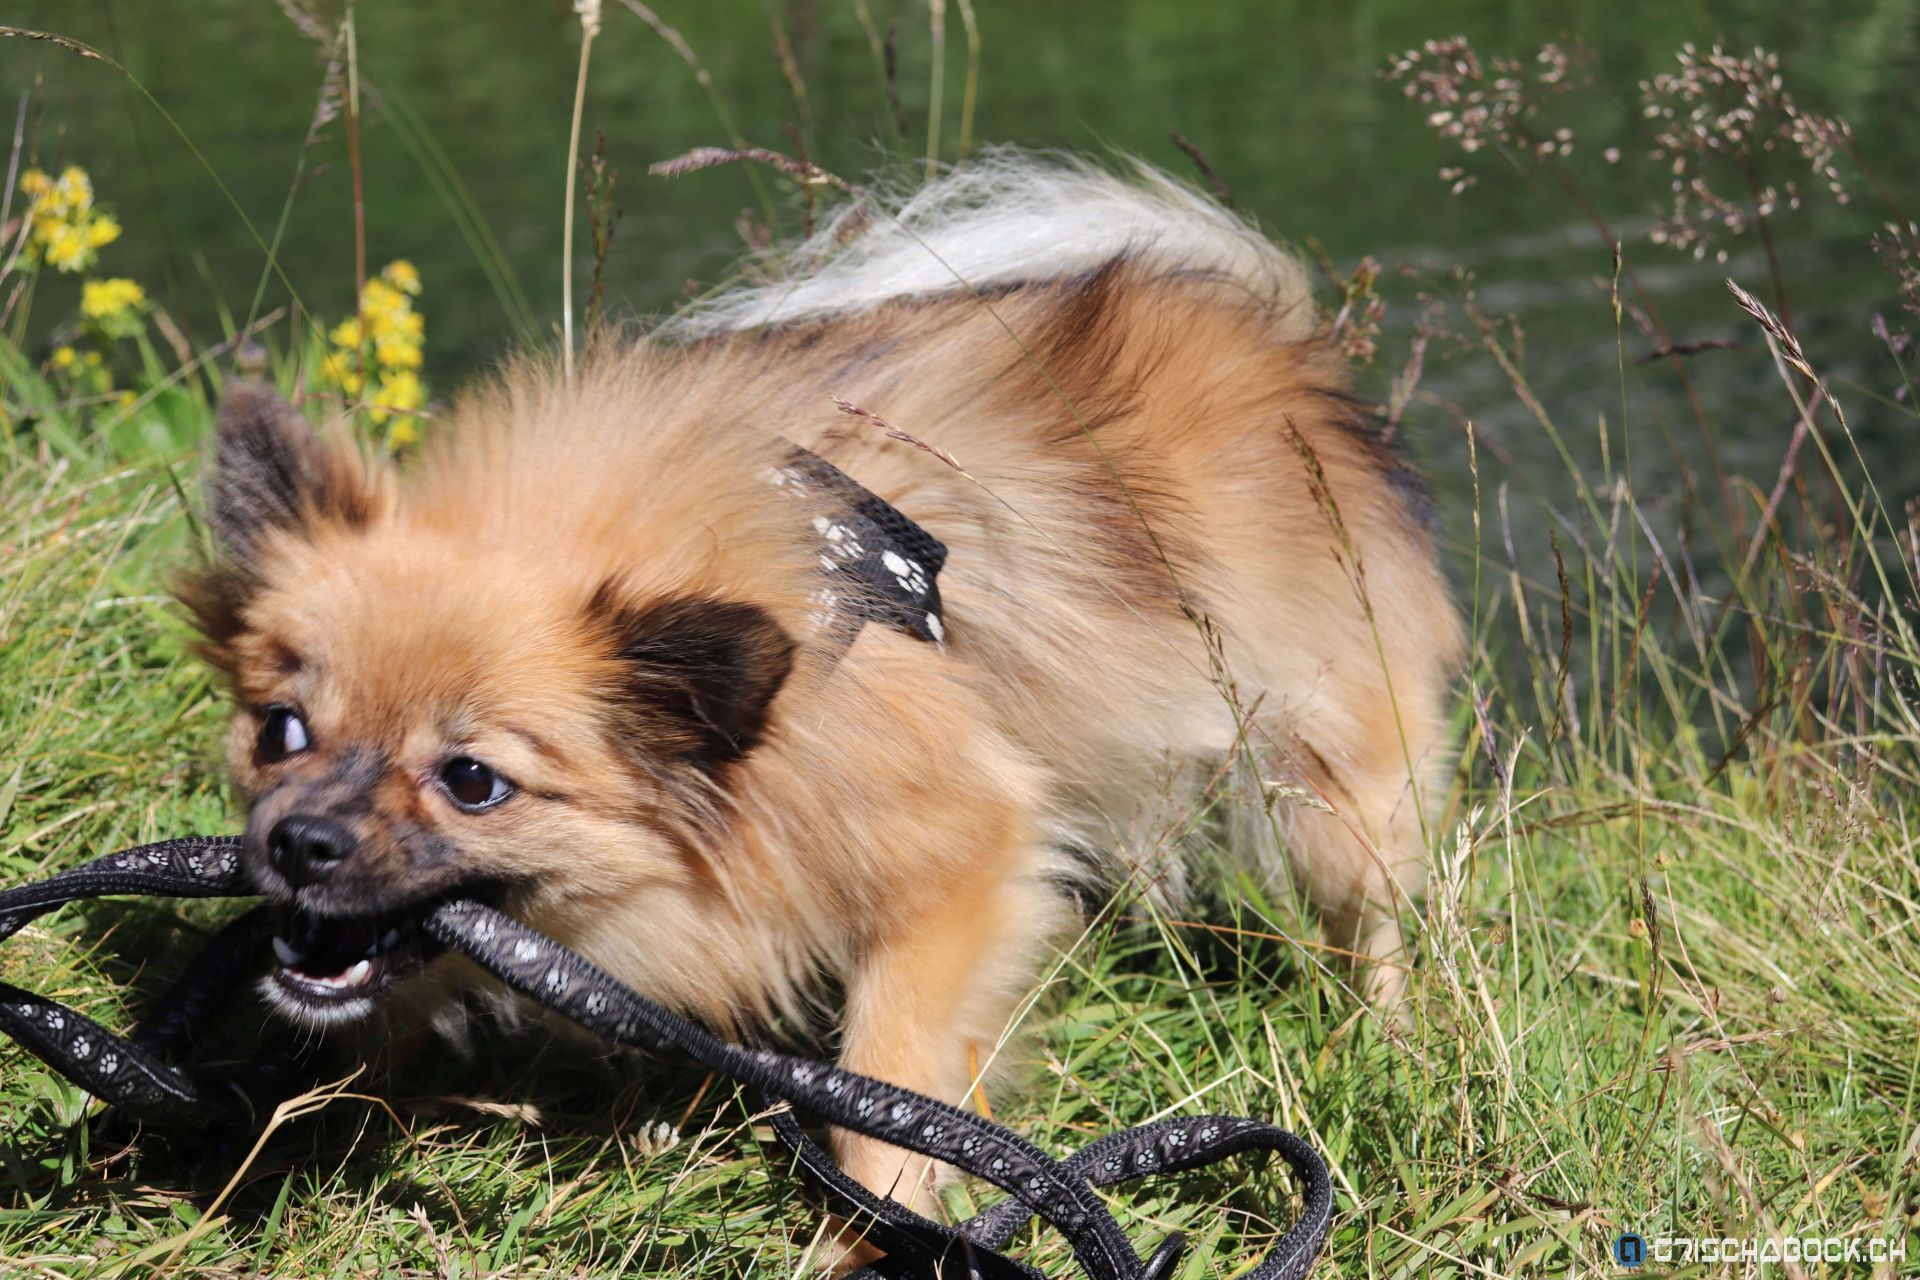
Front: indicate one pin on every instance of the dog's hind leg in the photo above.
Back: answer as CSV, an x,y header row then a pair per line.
x,y
1361,861
1356,835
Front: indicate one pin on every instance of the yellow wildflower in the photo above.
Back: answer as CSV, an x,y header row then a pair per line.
x,y
401,326
398,392
125,399
65,228
397,353
382,299
66,248
339,370
103,299
93,359
77,187
387,321
49,208
63,357
402,275
405,431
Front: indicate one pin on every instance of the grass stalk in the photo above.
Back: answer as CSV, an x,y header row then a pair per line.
x,y
936,89
589,28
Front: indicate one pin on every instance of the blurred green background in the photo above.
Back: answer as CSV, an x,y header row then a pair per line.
x,y
1286,99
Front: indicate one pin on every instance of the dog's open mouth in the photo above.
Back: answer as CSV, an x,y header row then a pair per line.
x,y
333,968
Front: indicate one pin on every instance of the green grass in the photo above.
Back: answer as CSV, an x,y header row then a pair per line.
x,y
1667,974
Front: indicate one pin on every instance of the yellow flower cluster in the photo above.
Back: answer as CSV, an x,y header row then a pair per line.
x,y
110,299
395,331
87,374
67,230
65,358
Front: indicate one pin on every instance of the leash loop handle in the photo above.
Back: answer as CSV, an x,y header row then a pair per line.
x,y
129,1073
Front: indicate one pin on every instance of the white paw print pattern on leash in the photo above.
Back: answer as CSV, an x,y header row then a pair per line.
x,y
908,573
841,540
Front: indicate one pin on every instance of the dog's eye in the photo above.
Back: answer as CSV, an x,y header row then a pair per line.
x,y
282,734
472,784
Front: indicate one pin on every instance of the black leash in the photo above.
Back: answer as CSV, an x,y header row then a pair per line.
x,y
879,566
133,1074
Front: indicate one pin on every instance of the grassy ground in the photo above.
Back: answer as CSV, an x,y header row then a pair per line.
x,y
1666,981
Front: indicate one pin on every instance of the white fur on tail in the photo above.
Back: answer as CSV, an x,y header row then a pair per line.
x,y
1006,218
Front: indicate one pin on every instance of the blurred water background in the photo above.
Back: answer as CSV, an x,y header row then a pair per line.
x,y
1286,100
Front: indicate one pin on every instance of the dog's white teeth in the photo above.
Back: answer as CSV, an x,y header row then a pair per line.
x,y
284,952
359,975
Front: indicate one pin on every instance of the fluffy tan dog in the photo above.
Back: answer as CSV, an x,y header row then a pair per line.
x,y
572,655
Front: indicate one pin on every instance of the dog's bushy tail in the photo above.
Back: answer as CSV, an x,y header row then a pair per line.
x,y
1007,218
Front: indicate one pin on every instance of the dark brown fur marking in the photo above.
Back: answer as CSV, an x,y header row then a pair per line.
x,y
1359,421
271,473
699,679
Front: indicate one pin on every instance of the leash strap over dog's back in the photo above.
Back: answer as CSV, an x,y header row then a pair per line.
x,y
878,565
133,1074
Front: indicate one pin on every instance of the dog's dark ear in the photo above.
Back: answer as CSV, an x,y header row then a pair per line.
x,y
697,677
271,471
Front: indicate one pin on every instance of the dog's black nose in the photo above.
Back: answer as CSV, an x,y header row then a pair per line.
x,y
306,847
